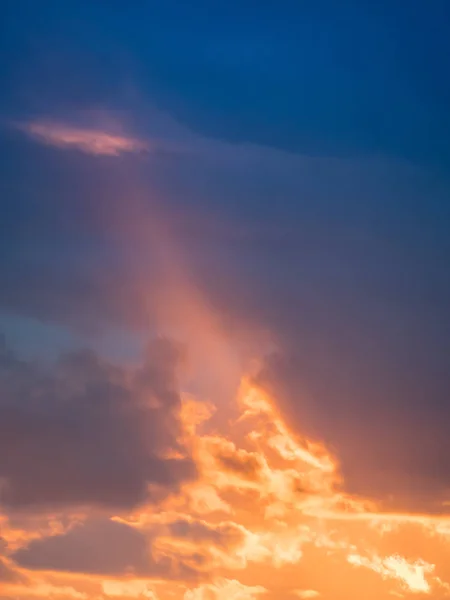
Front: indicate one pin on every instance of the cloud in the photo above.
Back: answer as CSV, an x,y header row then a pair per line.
x,y
225,589
7,574
412,575
88,432
224,534
90,141
47,590
129,589
101,546
180,549
238,461
278,539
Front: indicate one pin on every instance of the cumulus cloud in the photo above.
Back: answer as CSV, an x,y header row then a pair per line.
x,y
90,141
89,433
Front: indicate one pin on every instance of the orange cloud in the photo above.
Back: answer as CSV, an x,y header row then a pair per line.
x,y
225,589
413,576
129,589
265,517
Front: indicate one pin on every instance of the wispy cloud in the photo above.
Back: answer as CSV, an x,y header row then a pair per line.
x,y
91,141
411,575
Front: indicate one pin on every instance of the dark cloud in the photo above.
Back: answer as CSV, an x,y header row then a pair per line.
x,y
224,534
89,432
244,464
7,573
107,547
387,433
101,547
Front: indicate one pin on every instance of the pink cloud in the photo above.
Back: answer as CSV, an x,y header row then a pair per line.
x,y
91,141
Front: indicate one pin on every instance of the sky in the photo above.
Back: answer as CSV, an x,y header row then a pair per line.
x,y
224,300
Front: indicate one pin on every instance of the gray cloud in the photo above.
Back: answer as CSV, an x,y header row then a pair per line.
x,y
248,467
107,547
7,573
101,547
224,534
89,432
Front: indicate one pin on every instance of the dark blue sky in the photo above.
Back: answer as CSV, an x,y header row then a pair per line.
x,y
319,137
320,77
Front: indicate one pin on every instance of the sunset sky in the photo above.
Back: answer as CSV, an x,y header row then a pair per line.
x,y
224,300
